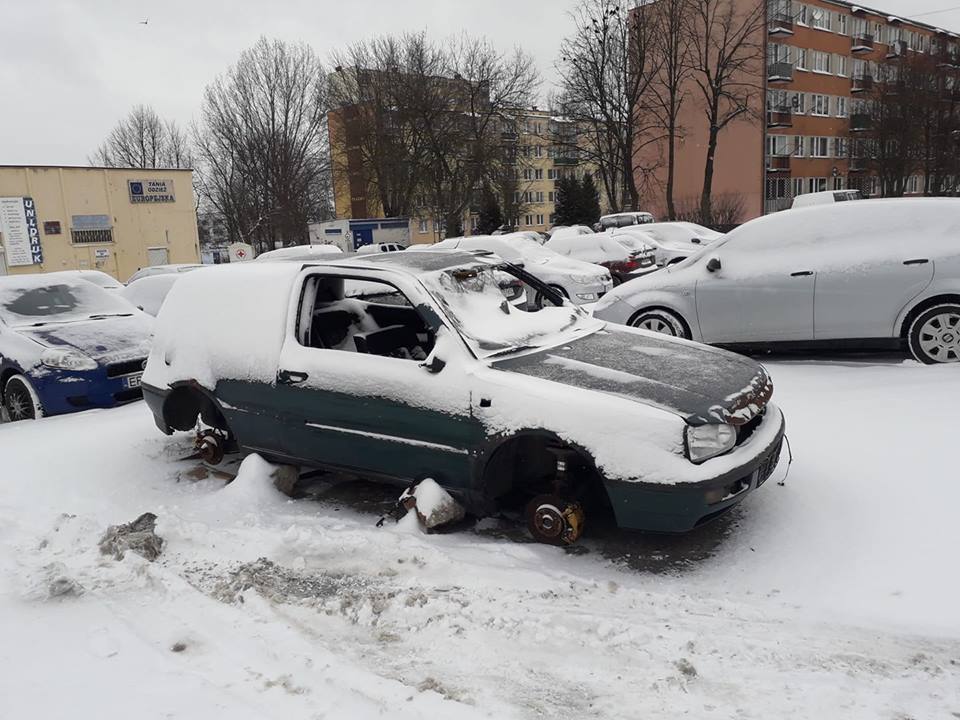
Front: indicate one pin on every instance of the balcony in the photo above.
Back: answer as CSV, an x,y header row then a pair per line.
x,y
861,42
896,49
566,160
859,122
771,205
780,23
778,163
780,116
779,72
861,83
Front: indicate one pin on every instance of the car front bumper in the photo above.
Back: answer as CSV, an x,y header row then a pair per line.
x,y
684,506
66,391
588,293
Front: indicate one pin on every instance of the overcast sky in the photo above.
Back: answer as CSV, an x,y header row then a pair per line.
x,y
70,70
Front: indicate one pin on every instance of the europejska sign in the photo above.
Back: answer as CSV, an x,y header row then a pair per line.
x,y
151,191
20,230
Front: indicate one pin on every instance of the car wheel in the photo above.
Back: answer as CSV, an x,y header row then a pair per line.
x,y
934,335
660,321
540,300
20,400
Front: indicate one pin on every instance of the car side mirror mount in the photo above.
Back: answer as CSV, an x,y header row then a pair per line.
x,y
713,264
433,364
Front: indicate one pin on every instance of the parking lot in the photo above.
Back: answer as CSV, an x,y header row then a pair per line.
x,y
833,594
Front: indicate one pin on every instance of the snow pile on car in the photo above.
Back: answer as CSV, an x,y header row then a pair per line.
x,y
222,322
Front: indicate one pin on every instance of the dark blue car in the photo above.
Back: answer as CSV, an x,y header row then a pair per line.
x,y
68,345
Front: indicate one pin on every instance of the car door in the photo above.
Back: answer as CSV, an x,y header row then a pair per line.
x,y
762,292
374,414
864,282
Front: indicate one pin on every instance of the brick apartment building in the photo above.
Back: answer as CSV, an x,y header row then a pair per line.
x,y
823,58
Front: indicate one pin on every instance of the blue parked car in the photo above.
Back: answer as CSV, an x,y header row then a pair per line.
x,y
67,345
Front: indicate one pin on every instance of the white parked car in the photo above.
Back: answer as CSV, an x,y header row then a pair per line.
x,y
162,270
559,231
672,241
302,252
380,247
97,277
578,281
870,275
826,197
148,293
621,257
625,219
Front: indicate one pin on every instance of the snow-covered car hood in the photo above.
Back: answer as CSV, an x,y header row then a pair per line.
x,y
564,266
107,340
701,383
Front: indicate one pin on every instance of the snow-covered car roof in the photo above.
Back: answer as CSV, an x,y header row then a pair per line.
x,y
300,252
97,277
601,244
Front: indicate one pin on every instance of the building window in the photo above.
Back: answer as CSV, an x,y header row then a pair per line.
x,y
538,174
797,186
798,145
816,184
841,105
840,147
777,145
819,147
538,151
551,174
840,65
838,182
550,196
820,18
539,219
527,174
91,237
424,226
800,103
527,219
841,23
539,197
802,59
802,14
890,36
819,105
821,61
553,218
913,184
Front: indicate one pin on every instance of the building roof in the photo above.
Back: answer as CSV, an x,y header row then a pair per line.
x,y
857,8
94,167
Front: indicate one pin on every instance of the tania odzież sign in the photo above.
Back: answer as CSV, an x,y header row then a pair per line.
x,y
151,191
20,230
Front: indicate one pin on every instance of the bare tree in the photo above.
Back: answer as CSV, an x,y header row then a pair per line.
x,y
606,68
143,140
726,54
671,47
262,144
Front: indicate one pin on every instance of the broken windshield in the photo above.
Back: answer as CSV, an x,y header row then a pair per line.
x,y
473,299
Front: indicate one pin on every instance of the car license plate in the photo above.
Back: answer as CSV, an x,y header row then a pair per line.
x,y
132,381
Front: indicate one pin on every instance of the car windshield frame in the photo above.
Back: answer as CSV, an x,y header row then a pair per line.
x,y
77,301
473,311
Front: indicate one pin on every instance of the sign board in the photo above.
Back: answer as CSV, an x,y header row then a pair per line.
x,y
90,222
240,252
151,191
101,253
20,230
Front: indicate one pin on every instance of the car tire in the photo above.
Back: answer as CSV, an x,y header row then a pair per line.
x,y
20,401
660,321
539,299
934,335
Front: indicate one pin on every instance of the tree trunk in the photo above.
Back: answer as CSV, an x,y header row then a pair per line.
x,y
706,196
671,163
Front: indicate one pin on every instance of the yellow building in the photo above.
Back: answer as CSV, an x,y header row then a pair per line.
x,y
116,220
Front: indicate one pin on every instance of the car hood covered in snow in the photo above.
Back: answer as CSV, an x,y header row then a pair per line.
x,y
105,340
700,383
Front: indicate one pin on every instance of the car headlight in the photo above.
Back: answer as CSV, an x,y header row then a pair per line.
x,y
707,441
66,359
586,279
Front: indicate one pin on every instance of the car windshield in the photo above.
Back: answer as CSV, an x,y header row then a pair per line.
x,y
25,302
472,299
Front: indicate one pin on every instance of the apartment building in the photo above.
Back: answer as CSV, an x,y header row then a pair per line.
x,y
823,59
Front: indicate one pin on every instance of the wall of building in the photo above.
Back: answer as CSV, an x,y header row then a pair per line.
x,y
74,196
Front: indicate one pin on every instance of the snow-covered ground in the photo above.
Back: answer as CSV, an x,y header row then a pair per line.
x,y
834,596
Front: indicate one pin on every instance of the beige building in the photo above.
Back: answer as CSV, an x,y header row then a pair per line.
x,y
116,220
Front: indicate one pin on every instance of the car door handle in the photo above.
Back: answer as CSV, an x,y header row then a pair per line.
x,y
916,261
291,377
801,273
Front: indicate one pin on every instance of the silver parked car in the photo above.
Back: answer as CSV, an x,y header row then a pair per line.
x,y
872,274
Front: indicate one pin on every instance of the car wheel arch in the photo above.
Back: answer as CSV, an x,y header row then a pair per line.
x,y
187,401
922,306
663,308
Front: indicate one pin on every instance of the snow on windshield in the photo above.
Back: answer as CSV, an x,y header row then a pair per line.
x,y
477,307
41,300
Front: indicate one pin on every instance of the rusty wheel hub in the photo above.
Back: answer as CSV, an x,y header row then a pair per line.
x,y
553,520
210,447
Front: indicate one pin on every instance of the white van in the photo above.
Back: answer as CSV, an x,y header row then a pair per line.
x,y
826,197
625,219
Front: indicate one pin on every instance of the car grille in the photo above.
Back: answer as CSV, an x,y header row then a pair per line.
x,y
747,429
769,464
127,367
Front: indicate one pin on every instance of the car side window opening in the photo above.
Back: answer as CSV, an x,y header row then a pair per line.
x,y
362,316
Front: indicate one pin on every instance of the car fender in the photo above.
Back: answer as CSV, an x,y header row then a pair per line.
x,y
682,302
937,288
